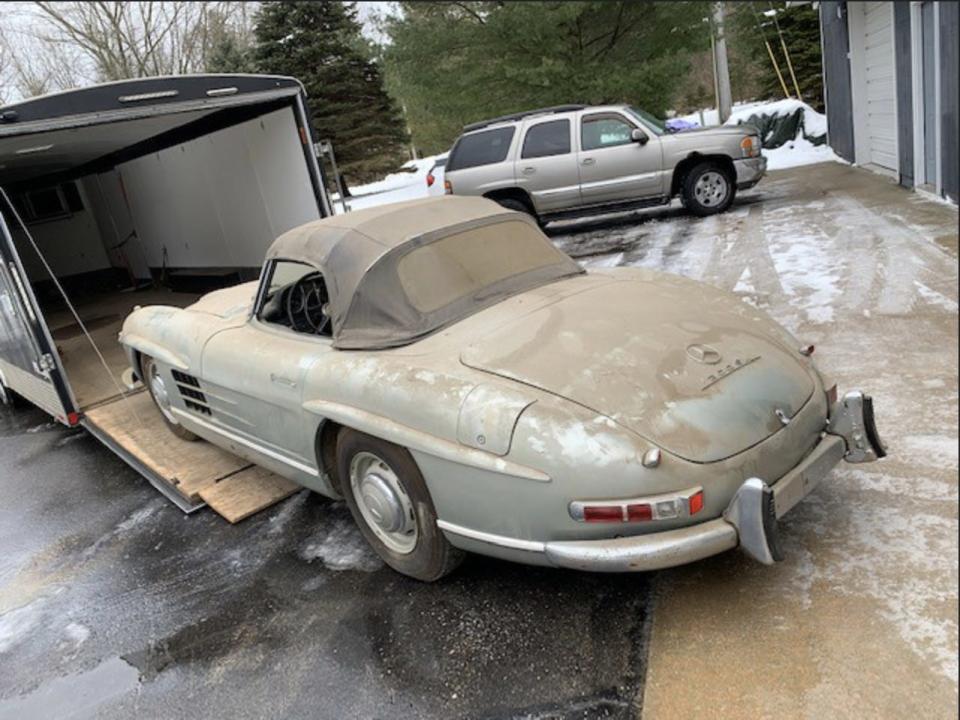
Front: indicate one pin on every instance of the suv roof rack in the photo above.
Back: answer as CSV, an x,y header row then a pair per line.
x,y
521,115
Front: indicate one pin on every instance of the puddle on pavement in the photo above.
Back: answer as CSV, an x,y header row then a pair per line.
x,y
77,696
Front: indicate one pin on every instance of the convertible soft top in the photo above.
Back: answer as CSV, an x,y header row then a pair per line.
x,y
398,272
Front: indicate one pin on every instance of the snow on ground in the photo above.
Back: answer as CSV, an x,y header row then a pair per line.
x,y
814,123
866,281
339,545
408,183
799,151
710,116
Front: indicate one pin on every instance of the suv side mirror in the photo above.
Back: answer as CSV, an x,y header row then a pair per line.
x,y
639,136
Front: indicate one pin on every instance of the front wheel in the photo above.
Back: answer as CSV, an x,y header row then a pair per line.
x,y
160,392
389,501
708,189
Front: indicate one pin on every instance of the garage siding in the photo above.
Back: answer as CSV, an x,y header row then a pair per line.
x,y
836,78
902,44
880,88
949,59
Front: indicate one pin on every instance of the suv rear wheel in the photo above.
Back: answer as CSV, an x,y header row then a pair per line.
x,y
518,205
708,189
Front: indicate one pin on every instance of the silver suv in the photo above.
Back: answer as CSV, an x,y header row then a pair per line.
x,y
574,160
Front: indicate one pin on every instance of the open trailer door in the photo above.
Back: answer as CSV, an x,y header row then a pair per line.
x,y
210,170
29,364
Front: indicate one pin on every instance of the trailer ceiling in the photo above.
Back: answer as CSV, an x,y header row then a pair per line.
x,y
68,135
24,157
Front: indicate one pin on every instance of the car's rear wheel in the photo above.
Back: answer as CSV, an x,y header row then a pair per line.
x,y
389,501
708,189
160,390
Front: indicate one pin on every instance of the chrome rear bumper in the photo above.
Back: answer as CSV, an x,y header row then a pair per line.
x,y
749,521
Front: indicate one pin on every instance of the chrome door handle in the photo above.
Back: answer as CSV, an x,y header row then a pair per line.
x,y
588,161
529,170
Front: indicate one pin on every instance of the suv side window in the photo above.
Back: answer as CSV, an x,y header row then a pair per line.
x,y
546,139
602,131
480,148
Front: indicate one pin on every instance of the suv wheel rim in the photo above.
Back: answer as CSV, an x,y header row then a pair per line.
x,y
711,188
160,395
383,502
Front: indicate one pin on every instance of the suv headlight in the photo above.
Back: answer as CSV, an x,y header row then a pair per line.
x,y
750,146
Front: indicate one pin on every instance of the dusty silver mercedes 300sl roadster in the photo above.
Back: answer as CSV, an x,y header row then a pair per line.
x,y
465,386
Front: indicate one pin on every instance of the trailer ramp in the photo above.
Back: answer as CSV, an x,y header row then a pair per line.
x,y
191,474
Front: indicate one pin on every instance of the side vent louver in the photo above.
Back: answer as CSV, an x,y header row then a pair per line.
x,y
189,388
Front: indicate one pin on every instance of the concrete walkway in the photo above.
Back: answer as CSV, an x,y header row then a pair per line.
x,y
860,621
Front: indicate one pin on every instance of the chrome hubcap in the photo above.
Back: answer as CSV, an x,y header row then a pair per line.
x,y
383,502
160,394
711,189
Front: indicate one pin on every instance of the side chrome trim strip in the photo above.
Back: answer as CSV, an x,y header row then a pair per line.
x,y
247,443
502,541
412,439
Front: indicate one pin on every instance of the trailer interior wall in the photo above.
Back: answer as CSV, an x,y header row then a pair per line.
x,y
214,202
71,245
211,203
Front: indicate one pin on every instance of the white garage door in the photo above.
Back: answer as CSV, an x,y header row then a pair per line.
x,y
880,95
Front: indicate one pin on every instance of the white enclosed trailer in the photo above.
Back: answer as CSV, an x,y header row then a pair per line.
x,y
120,195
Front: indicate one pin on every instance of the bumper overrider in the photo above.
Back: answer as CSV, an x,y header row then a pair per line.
x,y
750,171
750,520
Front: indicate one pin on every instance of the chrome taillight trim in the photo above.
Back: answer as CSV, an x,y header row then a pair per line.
x,y
666,506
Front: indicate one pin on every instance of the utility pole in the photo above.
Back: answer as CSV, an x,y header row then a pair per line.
x,y
721,70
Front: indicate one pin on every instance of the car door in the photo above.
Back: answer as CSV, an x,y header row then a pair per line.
x,y
546,166
253,377
613,166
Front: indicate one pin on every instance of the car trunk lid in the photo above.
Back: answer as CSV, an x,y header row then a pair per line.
x,y
679,363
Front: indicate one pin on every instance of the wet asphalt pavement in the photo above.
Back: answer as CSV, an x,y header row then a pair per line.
x,y
114,604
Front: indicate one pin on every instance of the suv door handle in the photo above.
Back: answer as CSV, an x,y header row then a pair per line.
x,y
588,161
529,170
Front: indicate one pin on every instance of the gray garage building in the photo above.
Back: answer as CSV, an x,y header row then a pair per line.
x,y
890,85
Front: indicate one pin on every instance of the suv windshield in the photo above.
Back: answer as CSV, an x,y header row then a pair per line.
x,y
656,125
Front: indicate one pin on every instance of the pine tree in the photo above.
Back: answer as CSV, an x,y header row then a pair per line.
x,y
453,63
320,44
752,23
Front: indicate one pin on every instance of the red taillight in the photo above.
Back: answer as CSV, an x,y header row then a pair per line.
x,y
603,513
696,503
430,179
640,509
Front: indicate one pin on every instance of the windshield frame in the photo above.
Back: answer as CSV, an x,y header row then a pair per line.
x,y
654,124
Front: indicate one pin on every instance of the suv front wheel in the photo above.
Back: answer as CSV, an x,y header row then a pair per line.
x,y
708,189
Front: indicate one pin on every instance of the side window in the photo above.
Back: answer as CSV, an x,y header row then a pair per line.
x,y
296,297
480,148
546,139
603,131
